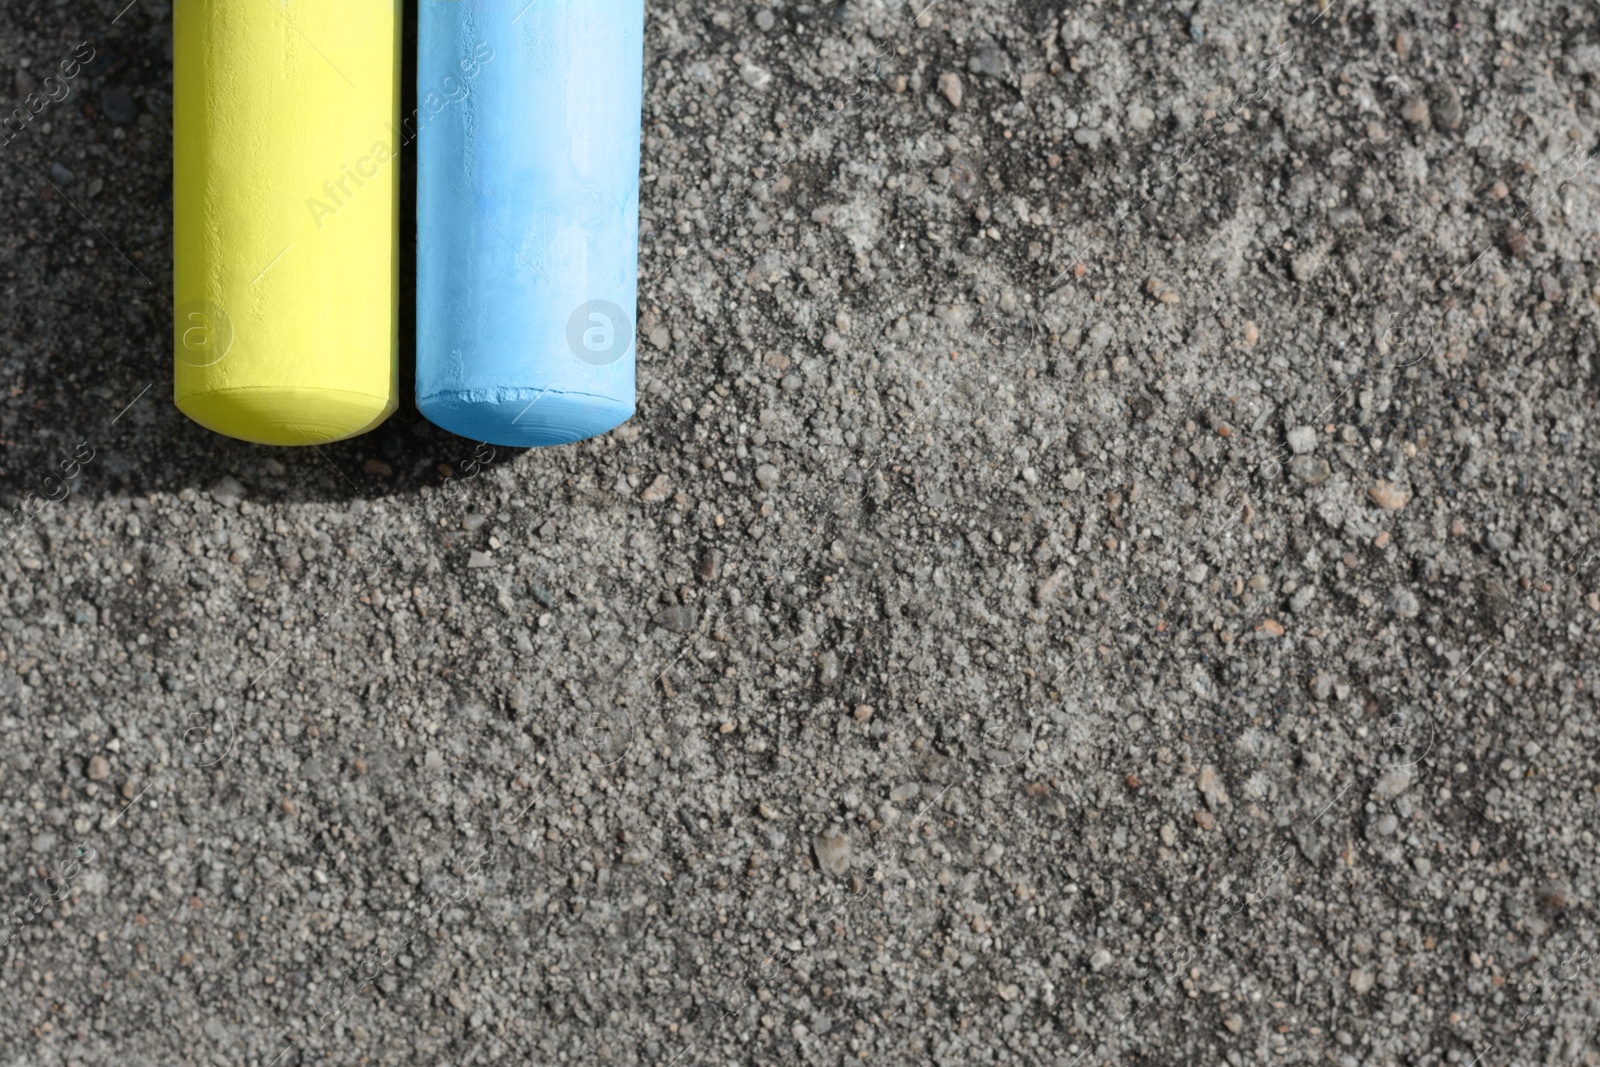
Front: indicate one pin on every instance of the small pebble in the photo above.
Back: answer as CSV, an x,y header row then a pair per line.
x,y
658,490
1517,242
1388,497
984,62
679,619
1211,787
950,86
832,847
1046,591
1313,470
99,769
1447,110
227,492
710,565
1394,782
756,77
61,175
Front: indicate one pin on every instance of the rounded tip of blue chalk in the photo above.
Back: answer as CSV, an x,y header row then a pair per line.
x,y
525,418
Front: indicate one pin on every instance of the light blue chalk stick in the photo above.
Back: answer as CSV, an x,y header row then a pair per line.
x,y
528,216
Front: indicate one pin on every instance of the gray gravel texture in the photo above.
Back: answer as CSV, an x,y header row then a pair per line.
x,y
1101,573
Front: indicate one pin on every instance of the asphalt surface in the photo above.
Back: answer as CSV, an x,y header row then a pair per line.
x,y
1102,572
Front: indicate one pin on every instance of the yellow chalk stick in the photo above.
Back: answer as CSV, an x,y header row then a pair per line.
x,y
286,200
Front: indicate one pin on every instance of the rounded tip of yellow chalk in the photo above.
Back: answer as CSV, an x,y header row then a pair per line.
x,y
286,415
